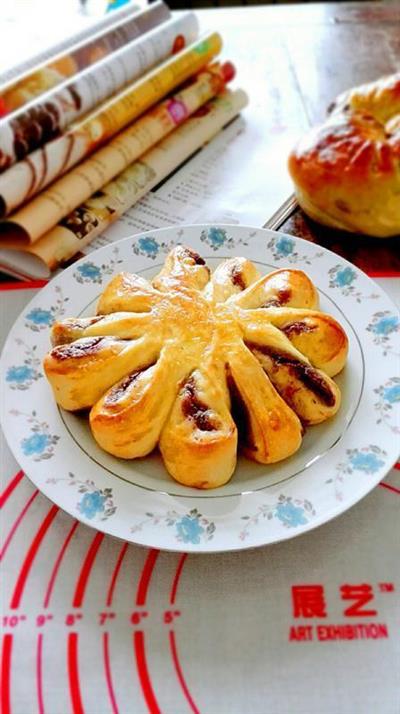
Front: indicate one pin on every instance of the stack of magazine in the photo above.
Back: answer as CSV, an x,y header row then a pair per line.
x,y
91,129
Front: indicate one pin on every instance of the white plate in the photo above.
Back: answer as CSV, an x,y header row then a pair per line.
x,y
339,462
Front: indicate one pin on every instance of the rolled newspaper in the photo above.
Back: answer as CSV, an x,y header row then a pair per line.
x,y
41,120
24,82
31,175
96,214
51,205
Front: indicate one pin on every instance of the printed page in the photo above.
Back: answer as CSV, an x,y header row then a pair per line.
x,y
29,127
92,217
43,213
31,79
61,154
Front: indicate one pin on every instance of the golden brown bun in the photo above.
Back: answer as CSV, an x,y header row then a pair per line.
x,y
192,364
346,171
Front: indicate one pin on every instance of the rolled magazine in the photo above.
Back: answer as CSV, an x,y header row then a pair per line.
x,y
24,82
51,205
95,215
41,120
31,175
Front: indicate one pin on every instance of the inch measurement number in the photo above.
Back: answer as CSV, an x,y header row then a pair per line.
x,y
105,616
72,618
42,619
138,616
13,620
170,615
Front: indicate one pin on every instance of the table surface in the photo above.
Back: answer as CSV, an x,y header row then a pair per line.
x,y
314,51
307,55
94,626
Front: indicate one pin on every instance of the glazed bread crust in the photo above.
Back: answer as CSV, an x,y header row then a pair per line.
x,y
347,170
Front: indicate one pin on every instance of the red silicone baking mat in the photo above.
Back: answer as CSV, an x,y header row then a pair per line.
x,y
93,625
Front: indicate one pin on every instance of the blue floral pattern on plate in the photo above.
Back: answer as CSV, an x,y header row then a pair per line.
x,y
189,530
39,318
291,512
191,527
383,326
368,460
216,238
35,444
389,396
151,247
95,501
344,277
91,504
21,376
284,248
40,443
89,272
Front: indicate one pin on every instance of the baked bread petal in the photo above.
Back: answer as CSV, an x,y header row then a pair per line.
x,y
291,288
269,428
229,278
308,391
199,441
82,371
125,325
318,336
128,419
127,292
185,267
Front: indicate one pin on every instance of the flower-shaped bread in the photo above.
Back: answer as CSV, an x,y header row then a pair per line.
x,y
188,361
